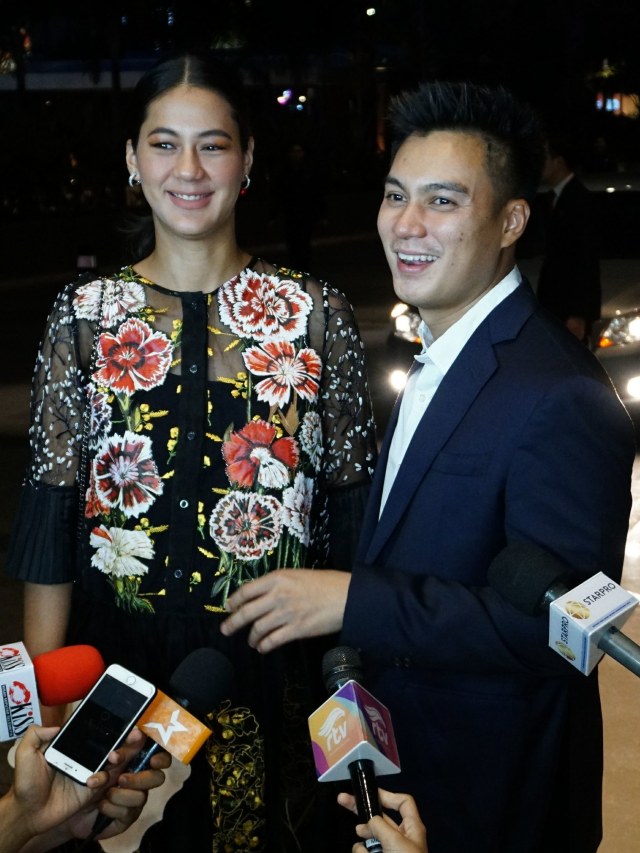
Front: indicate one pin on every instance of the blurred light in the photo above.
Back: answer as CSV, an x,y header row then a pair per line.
x,y
610,189
633,387
285,97
303,99
370,11
403,323
399,308
299,107
397,379
632,549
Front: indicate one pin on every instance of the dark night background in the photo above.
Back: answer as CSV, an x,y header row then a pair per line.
x,y
62,150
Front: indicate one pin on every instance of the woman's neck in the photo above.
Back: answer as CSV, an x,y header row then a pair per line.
x,y
193,267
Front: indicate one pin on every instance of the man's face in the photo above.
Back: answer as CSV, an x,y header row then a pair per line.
x,y
443,239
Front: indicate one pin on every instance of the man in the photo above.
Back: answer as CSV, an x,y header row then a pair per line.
x,y
569,278
44,809
508,431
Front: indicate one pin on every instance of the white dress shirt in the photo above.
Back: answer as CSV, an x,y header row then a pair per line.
x,y
436,358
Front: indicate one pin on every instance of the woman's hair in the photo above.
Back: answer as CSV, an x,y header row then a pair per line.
x,y
202,71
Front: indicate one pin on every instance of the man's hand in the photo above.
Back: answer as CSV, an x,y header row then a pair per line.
x,y
288,604
408,837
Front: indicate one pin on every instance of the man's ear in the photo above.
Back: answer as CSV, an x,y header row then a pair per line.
x,y
517,212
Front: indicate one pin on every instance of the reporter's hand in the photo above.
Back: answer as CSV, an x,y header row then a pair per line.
x,y
288,604
123,794
408,837
49,807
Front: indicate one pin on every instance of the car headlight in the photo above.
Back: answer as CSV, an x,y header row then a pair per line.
x,y
621,330
406,322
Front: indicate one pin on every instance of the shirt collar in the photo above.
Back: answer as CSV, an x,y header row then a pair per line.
x,y
444,351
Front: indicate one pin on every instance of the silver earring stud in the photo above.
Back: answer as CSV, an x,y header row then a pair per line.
x,y
134,180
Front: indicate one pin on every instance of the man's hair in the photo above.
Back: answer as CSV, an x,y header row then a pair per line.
x,y
562,143
511,130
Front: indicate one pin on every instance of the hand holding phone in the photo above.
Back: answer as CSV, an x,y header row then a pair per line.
x,y
100,723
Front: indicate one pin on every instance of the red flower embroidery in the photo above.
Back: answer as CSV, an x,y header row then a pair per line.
x,y
126,475
286,370
246,524
263,306
252,453
133,359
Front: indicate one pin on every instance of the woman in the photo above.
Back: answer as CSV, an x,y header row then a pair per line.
x,y
199,418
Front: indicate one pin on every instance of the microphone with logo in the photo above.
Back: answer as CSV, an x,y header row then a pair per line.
x,y
57,677
198,684
584,621
351,734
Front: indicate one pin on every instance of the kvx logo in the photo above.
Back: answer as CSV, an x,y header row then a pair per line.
x,y
335,728
18,708
10,658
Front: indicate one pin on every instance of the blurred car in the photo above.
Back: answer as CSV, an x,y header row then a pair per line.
x,y
617,346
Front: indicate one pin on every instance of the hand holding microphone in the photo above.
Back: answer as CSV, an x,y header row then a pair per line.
x,y
199,684
352,735
410,836
57,677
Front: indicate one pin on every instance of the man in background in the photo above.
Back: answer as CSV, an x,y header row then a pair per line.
x,y
569,279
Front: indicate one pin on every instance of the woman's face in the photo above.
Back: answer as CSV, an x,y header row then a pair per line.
x,y
191,163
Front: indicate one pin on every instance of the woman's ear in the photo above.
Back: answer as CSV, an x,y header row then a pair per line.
x,y
130,157
248,156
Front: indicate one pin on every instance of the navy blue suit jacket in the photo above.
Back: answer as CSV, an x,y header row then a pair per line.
x,y
499,737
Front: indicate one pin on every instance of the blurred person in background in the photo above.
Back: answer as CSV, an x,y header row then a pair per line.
x,y
569,279
299,199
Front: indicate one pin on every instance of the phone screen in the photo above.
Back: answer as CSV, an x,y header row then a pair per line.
x,y
98,724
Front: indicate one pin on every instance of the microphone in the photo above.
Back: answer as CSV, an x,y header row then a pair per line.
x,y
584,621
199,683
67,674
351,734
52,678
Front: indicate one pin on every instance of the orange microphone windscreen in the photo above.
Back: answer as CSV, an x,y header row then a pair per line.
x,y
67,674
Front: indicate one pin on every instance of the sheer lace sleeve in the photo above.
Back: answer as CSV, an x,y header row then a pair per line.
x,y
42,546
57,399
348,423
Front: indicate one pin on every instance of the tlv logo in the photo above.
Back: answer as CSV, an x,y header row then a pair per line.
x,y
377,724
334,729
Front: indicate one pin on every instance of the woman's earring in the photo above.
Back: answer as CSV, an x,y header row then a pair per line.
x,y
134,180
245,183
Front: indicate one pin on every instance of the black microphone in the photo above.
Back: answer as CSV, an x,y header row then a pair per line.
x,y
530,579
198,684
339,666
352,735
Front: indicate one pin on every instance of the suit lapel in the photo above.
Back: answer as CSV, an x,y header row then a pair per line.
x,y
457,392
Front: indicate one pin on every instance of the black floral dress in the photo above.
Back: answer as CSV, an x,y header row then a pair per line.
x,y
181,444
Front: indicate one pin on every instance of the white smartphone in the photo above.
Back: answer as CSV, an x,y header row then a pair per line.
x,y
100,723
